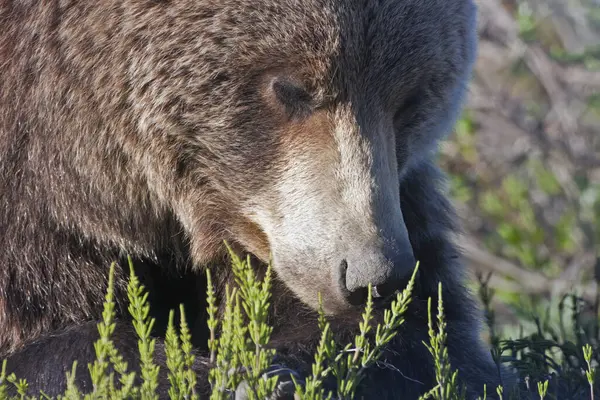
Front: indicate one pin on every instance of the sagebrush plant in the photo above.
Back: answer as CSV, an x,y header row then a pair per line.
x,y
554,362
447,384
239,352
243,354
350,364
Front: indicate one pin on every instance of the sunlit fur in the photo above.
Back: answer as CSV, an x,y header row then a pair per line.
x,y
152,128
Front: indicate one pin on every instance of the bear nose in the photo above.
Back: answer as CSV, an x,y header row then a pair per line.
x,y
386,274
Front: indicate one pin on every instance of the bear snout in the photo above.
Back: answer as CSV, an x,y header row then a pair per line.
x,y
386,271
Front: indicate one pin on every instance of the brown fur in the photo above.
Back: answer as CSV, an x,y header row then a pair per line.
x,y
152,128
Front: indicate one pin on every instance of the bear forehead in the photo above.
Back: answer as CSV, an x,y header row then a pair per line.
x,y
352,43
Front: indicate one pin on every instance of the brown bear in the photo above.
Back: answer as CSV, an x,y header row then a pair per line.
x,y
304,130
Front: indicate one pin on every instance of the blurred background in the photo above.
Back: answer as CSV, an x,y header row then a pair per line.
x,y
525,160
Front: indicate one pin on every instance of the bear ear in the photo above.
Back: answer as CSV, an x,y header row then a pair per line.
x,y
297,102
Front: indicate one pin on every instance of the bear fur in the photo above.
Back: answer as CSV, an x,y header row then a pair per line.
x,y
304,130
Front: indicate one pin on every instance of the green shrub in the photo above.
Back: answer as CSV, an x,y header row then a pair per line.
x,y
239,353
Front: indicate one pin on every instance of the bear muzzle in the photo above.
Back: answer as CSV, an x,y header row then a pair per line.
x,y
388,271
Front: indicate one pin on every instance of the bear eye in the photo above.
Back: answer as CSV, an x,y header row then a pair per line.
x,y
296,100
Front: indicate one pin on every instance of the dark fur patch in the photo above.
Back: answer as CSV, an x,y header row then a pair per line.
x,y
296,100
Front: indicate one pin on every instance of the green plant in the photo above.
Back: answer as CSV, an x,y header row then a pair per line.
x,y
238,353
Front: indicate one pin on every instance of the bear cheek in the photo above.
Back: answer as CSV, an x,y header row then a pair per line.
x,y
276,222
252,238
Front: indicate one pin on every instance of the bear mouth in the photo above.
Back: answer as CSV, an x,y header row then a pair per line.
x,y
359,297
382,295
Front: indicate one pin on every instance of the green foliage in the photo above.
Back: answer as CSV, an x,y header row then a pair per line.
x,y
546,343
139,310
350,365
542,389
313,388
3,389
447,384
252,352
555,362
590,372
526,22
594,101
519,236
105,350
180,359
72,391
239,352
588,57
